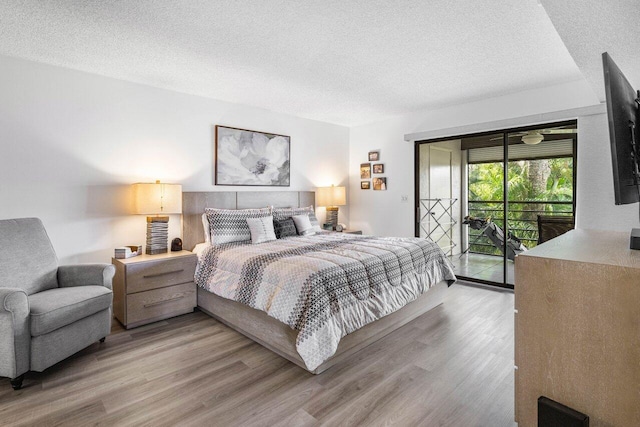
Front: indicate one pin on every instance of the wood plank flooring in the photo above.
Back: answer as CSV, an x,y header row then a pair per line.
x,y
453,366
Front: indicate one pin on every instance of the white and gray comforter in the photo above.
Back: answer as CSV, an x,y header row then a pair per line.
x,y
324,286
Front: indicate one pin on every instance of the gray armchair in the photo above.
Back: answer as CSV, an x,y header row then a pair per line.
x,y
47,312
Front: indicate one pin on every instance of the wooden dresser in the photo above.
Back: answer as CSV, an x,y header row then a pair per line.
x,y
577,328
147,288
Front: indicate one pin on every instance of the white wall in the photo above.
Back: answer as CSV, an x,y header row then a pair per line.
x,y
71,143
595,204
383,213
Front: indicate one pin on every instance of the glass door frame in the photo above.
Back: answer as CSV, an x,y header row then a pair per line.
x,y
505,145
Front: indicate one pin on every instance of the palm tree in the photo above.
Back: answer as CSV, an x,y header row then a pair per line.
x,y
529,180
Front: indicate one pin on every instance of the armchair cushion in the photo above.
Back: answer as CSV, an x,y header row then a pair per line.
x,y
59,307
27,259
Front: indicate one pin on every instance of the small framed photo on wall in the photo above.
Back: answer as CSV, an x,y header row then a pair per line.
x,y
365,185
380,184
378,168
374,156
365,170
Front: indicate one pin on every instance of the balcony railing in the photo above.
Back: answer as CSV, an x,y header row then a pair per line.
x,y
522,217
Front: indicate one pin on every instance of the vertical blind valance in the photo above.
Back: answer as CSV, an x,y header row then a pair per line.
x,y
546,149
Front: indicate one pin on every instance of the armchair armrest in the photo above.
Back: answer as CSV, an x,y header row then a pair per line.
x,y
15,336
86,274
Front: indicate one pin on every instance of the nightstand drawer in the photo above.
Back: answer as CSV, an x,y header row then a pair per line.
x,y
352,231
144,276
161,303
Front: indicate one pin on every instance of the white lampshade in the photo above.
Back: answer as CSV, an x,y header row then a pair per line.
x,y
157,198
331,196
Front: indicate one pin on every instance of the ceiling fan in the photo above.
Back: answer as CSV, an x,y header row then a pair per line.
x,y
534,137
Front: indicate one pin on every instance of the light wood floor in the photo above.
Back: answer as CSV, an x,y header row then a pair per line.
x,y
452,366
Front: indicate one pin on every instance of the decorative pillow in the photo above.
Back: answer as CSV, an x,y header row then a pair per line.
x,y
283,213
261,229
314,220
230,225
284,228
303,225
205,226
312,216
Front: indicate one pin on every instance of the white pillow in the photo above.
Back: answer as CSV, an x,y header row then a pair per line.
x,y
303,225
205,225
284,213
312,216
261,229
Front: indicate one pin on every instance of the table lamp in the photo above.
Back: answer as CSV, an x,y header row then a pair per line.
x,y
332,197
160,200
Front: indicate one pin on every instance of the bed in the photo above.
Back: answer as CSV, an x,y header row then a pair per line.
x,y
314,300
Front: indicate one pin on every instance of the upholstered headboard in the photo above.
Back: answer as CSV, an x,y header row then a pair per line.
x,y
194,204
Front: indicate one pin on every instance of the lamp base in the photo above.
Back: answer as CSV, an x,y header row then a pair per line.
x,y
157,235
332,216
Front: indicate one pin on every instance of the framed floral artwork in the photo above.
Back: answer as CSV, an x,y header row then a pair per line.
x,y
247,157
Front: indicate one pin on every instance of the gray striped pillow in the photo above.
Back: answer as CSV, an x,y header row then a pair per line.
x,y
230,225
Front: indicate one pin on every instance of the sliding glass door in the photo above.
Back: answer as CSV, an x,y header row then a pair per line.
x,y
482,196
484,224
439,192
541,183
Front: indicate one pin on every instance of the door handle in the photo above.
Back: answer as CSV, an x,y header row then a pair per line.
x,y
151,276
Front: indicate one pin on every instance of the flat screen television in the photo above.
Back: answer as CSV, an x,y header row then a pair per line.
x,y
622,110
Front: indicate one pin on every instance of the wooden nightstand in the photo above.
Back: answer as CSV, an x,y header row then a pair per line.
x,y
147,288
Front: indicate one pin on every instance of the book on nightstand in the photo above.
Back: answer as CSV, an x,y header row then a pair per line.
x,y
125,252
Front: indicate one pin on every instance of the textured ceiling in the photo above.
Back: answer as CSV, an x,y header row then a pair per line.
x,y
590,27
338,61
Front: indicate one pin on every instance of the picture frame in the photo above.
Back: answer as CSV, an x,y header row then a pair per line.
x,y
380,184
365,185
267,163
365,170
374,156
378,168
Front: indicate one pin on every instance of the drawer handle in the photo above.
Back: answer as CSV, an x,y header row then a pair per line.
x,y
150,276
153,304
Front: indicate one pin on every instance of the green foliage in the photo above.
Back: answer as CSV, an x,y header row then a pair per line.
x,y
486,181
531,183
